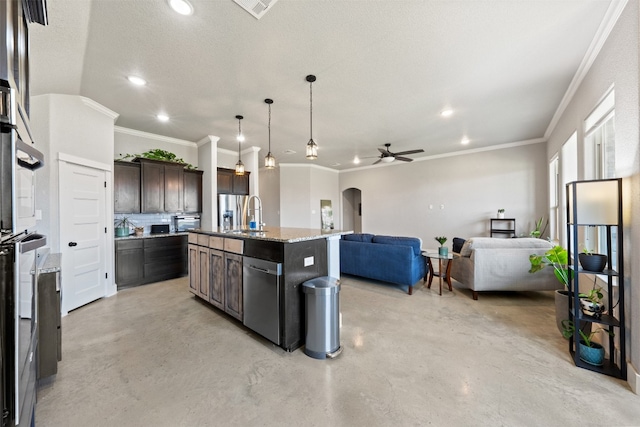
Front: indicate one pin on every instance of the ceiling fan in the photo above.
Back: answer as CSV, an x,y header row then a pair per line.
x,y
387,156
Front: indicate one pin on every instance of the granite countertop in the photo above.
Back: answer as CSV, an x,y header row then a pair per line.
x,y
152,236
277,234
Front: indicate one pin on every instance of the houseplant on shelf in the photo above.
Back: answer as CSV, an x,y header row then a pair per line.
x,y
122,226
591,302
442,250
590,351
500,213
591,261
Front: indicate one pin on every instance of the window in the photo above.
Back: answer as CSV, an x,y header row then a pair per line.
x,y
554,190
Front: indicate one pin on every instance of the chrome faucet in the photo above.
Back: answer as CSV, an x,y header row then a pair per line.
x,y
260,224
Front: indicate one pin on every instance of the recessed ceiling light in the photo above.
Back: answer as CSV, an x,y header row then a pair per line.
x,y
183,7
162,117
464,141
138,81
446,113
356,160
289,152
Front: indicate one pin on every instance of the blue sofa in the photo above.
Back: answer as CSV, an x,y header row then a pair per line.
x,y
391,259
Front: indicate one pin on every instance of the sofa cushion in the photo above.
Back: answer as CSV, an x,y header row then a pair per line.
x,y
358,237
414,242
457,244
498,243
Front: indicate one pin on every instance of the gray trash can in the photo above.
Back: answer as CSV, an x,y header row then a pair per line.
x,y
322,323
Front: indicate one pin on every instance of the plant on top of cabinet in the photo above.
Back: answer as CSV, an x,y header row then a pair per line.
x,y
159,154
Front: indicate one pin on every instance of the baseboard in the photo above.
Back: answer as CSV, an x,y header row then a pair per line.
x,y
633,378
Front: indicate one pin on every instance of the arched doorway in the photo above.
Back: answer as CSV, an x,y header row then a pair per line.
x,y
352,210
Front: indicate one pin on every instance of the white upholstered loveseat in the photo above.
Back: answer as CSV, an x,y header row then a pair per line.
x,y
493,264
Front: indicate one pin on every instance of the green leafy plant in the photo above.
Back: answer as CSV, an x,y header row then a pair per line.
x,y
568,329
501,210
539,231
441,240
594,295
123,222
158,154
556,257
587,251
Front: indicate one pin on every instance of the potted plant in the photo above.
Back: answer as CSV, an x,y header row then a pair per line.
x,y
442,250
122,226
539,231
591,261
500,213
590,351
591,302
139,231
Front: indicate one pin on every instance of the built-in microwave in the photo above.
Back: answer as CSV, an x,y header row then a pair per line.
x,y
186,223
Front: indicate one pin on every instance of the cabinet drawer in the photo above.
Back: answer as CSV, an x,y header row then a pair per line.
x,y
216,242
233,245
193,238
203,240
129,244
165,241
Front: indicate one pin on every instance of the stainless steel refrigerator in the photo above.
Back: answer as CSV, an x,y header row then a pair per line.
x,y
234,209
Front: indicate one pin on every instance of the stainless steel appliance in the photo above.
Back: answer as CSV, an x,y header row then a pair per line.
x,y
233,210
19,244
261,297
186,222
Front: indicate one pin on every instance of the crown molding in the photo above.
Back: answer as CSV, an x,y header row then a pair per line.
x,y
303,165
209,138
100,108
148,135
606,26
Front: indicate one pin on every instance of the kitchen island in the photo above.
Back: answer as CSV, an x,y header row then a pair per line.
x,y
256,276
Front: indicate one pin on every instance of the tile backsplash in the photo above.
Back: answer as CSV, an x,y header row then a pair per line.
x,y
147,220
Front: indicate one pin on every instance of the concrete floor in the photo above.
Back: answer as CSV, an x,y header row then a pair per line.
x,y
156,356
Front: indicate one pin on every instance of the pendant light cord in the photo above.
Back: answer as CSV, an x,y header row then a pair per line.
x,y
239,134
269,128
311,110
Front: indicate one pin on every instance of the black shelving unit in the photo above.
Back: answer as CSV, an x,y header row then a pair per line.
x,y
598,203
503,226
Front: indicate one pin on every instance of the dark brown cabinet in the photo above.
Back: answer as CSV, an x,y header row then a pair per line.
x,y
129,262
126,187
230,183
192,191
162,187
216,278
147,260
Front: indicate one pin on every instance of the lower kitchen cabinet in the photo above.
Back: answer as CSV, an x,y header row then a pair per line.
x,y
215,272
147,260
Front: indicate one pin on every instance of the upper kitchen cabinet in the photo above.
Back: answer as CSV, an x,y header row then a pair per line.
x,y
192,191
126,187
162,186
230,183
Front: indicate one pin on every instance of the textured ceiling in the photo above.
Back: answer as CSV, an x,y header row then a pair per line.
x,y
385,69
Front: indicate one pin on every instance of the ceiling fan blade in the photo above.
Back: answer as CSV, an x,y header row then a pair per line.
x,y
402,153
404,159
383,151
376,162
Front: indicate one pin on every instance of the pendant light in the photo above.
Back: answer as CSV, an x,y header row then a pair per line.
x,y
312,147
269,161
239,165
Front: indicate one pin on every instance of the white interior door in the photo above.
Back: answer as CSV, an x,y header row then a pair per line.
x,y
82,234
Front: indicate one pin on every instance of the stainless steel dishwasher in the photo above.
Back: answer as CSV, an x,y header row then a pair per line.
x,y
261,297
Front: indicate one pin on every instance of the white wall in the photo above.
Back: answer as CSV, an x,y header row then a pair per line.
x,y
301,189
617,64
75,126
129,141
405,199
270,196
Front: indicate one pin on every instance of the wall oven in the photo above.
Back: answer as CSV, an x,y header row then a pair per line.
x,y
19,245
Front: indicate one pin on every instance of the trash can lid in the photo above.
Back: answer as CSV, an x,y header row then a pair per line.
x,y
321,285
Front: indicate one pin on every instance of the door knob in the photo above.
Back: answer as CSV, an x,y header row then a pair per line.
x,y
72,244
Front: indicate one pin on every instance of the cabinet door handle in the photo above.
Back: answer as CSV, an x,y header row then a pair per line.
x,y
72,244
